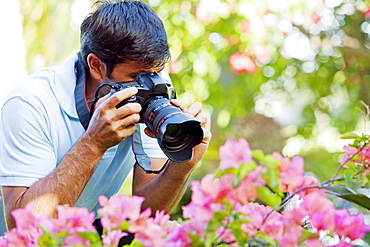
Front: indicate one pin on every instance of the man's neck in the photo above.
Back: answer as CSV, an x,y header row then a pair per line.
x,y
91,86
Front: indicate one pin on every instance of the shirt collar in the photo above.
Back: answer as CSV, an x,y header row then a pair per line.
x,y
65,83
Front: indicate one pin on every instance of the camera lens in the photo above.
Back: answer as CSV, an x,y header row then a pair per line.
x,y
177,132
174,133
177,136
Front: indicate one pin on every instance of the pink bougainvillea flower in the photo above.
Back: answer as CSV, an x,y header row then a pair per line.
x,y
314,242
142,221
317,208
205,195
199,212
27,225
161,218
345,222
309,181
363,157
16,238
227,237
119,208
273,224
363,153
245,192
291,172
111,238
291,234
194,226
263,219
178,236
234,153
72,220
209,189
202,213
349,151
146,231
255,176
321,215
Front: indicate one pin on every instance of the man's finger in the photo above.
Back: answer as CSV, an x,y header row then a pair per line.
x,y
178,104
128,109
195,109
119,96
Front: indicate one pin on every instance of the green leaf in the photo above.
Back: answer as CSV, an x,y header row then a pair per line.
x,y
213,224
349,195
258,154
268,197
349,136
91,236
367,237
47,240
306,235
271,176
219,173
135,243
124,225
243,170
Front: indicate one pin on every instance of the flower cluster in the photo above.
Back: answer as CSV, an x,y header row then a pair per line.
x,y
71,225
221,199
292,209
359,156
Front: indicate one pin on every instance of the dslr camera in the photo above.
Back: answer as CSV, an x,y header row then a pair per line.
x,y
176,132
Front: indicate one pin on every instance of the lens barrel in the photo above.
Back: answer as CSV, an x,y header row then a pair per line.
x,y
177,132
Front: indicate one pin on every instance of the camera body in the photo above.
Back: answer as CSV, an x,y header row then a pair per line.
x,y
176,132
150,86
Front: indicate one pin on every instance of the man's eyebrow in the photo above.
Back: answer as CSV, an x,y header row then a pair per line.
x,y
134,74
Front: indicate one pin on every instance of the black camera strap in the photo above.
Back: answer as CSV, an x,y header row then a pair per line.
x,y
81,106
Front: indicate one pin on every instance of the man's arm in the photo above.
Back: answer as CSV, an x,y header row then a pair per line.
x,y
164,191
108,127
62,186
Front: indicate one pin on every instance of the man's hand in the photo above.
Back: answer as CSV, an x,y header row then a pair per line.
x,y
110,125
174,178
196,111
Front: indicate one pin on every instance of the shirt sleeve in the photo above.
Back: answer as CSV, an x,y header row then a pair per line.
x,y
26,151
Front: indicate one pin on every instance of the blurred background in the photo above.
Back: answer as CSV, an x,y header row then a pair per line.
x,y
287,75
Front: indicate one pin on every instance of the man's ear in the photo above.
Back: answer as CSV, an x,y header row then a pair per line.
x,y
98,69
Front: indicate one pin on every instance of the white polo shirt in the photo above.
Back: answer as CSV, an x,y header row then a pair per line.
x,y
39,125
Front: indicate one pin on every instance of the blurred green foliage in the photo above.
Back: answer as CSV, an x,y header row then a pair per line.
x,y
299,74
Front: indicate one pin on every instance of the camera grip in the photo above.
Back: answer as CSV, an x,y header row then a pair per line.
x,y
132,99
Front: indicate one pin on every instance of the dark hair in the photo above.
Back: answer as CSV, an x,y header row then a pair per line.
x,y
126,30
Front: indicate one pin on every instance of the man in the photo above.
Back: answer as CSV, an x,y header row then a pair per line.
x,y
53,154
